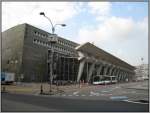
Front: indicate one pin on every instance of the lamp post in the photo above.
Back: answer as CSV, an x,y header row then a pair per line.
x,y
53,26
52,42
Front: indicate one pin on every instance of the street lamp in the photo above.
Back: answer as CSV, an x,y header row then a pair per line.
x,y
52,42
53,26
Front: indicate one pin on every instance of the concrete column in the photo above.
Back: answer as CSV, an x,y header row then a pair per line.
x,y
122,76
91,71
81,67
123,79
130,77
105,69
113,71
99,69
110,70
126,77
117,74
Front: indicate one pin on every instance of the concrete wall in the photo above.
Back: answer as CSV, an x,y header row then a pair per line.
x,y
12,49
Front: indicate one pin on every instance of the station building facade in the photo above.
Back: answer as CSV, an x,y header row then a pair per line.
x,y
26,51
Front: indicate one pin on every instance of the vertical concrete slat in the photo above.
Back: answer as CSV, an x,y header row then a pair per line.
x,y
105,70
81,66
99,69
110,71
91,71
117,74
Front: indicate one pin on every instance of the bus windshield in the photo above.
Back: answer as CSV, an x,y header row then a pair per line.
x,y
96,78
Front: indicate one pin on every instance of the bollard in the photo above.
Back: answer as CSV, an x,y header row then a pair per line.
x,y
3,89
80,84
41,90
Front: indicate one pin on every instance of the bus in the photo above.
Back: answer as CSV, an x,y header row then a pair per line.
x,y
104,79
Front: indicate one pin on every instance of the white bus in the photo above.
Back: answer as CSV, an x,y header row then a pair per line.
x,y
104,79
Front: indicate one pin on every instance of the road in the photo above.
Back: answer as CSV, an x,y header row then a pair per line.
x,y
20,102
125,91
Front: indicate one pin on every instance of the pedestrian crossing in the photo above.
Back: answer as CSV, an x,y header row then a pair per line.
x,y
77,94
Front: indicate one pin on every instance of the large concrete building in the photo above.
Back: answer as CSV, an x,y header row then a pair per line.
x,y
26,51
99,62
141,72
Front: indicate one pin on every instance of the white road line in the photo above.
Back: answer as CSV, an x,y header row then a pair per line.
x,y
135,102
83,95
76,95
63,95
70,95
102,94
109,94
75,92
106,91
118,97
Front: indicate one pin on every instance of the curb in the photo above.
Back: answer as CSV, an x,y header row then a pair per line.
x,y
137,88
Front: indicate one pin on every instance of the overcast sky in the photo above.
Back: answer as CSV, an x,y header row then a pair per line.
x,y
120,28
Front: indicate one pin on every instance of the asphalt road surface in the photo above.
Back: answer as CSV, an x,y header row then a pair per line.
x,y
19,102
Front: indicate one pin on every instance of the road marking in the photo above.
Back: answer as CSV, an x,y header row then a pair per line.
x,y
118,97
69,95
64,95
93,93
135,102
74,93
83,95
102,94
109,94
117,87
106,91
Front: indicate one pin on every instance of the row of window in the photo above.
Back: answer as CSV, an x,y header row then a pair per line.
x,y
40,34
50,45
66,44
59,41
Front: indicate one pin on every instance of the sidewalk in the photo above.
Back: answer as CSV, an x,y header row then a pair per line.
x,y
35,88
